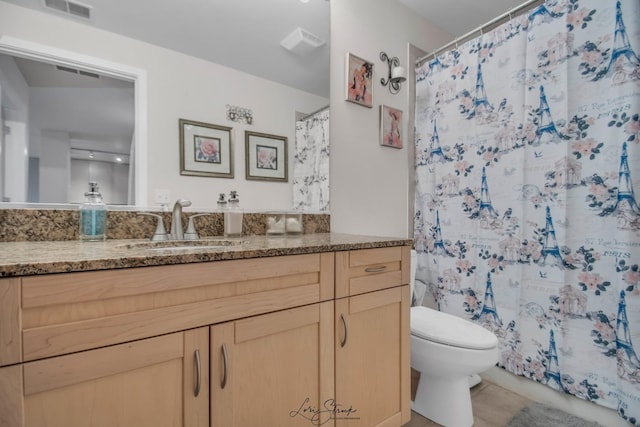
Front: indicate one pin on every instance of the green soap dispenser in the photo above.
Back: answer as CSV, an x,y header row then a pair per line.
x,y
93,215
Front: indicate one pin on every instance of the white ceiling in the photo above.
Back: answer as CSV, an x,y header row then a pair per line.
x,y
246,34
458,17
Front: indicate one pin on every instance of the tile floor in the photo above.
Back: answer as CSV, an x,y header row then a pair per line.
x,y
493,406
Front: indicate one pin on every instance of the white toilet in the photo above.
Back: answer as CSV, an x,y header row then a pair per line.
x,y
449,352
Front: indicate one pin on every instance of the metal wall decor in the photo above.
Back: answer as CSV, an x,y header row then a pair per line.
x,y
239,114
397,74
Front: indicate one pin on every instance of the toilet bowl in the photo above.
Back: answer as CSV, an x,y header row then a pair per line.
x,y
447,350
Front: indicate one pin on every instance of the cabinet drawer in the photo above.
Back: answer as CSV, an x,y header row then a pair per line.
x,y
69,312
368,270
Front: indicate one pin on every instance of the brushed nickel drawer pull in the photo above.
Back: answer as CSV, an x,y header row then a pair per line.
x,y
196,355
375,269
344,324
223,383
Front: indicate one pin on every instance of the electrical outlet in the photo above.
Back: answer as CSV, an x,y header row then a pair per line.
x,y
163,197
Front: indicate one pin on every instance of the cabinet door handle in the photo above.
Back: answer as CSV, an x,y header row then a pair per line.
x,y
375,269
344,324
196,390
223,383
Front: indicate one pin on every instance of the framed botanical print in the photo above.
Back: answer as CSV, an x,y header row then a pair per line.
x,y
205,150
265,156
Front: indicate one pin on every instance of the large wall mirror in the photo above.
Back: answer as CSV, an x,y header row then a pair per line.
x,y
49,154
68,119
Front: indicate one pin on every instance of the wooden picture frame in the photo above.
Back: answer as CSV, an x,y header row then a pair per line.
x,y
390,127
266,157
205,149
359,80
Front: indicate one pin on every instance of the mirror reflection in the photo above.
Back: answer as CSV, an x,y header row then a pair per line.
x,y
277,83
63,127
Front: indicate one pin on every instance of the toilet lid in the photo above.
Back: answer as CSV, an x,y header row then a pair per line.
x,y
448,329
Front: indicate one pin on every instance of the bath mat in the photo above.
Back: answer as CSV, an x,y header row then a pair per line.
x,y
539,415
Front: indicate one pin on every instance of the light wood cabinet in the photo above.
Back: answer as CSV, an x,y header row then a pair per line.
x,y
273,370
288,340
369,270
160,381
64,313
10,336
372,337
372,358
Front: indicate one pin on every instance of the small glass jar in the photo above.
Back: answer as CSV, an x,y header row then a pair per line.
x,y
275,223
293,223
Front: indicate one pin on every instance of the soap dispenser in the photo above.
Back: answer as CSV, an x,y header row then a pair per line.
x,y
93,215
233,216
222,203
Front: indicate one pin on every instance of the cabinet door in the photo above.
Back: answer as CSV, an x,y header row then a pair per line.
x,y
373,359
152,382
273,370
11,402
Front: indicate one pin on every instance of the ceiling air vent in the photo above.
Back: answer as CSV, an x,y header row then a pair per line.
x,y
76,9
67,69
88,74
79,72
301,41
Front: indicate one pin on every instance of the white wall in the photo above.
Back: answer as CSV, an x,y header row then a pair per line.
x,y
55,166
369,182
14,101
16,161
112,179
15,91
92,116
181,86
77,110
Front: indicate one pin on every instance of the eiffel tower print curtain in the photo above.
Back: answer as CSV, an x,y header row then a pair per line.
x,y
310,178
526,221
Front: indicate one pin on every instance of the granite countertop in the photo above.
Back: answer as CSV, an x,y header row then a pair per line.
x,y
30,258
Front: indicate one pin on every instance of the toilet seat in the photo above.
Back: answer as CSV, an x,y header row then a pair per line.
x,y
444,328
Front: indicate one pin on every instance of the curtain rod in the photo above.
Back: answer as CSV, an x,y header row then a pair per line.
x,y
314,113
509,14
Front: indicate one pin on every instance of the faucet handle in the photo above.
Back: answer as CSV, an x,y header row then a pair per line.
x,y
191,233
183,202
161,232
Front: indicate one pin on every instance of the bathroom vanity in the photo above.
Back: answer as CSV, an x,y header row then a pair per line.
x,y
267,332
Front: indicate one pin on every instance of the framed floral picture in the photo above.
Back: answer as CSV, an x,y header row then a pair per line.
x,y
205,150
390,127
265,156
359,80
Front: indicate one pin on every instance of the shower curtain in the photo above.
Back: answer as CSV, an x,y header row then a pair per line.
x,y
311,163
526,221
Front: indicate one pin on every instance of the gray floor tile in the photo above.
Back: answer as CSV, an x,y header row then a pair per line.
x,y
493,406
496,405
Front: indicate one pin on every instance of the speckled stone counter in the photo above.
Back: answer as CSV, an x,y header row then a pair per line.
x,y
30,258
18,225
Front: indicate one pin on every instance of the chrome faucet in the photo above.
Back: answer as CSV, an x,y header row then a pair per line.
x,y
177,232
